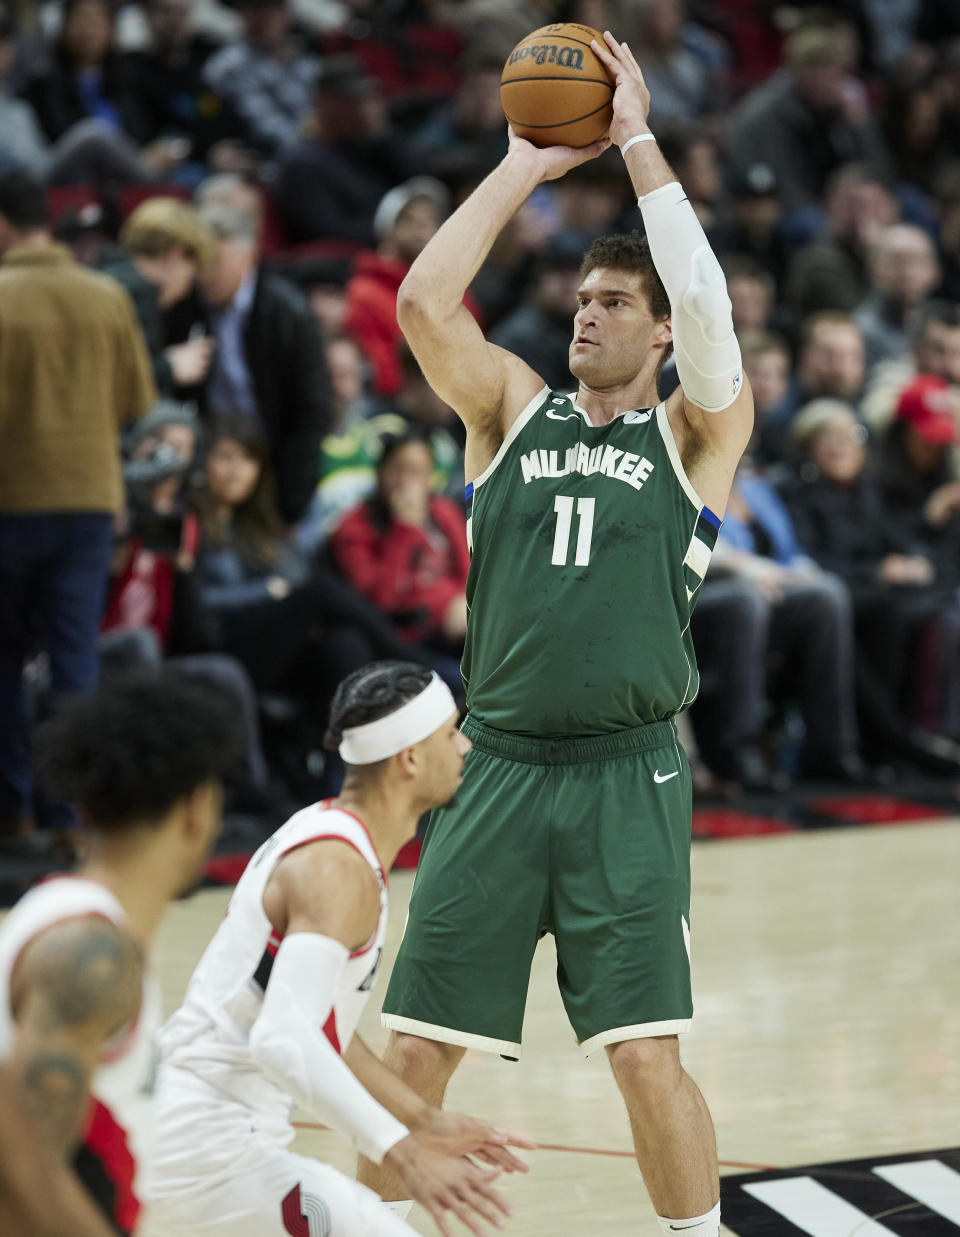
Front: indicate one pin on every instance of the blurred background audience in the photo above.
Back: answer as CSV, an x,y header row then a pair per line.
x,y
251,180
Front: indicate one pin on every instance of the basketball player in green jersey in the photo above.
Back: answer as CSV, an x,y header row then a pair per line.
x,y
592,521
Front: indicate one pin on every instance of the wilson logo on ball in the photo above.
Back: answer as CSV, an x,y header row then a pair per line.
x,y
566,57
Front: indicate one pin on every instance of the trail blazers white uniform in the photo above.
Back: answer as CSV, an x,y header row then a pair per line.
x,y
221,1164
117,1129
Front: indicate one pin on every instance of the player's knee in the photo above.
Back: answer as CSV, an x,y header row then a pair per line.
x,y
422,1063
646,1065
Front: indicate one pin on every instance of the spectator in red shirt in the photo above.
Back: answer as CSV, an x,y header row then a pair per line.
x,y
406,550
406,219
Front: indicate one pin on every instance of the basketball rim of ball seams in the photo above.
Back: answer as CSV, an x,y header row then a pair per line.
x,y
555,90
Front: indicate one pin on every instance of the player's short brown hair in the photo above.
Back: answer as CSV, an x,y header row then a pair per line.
x,y
161,224
629,251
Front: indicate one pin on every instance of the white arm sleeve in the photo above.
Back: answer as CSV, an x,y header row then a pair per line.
x,y
708,355
288,1043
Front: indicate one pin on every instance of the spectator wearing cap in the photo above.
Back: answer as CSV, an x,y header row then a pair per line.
x,y
539,330
73,369
267,78
164,246
917,473
843,521
750,226
268,365
407,217
935,349
329,185
810,118
904,271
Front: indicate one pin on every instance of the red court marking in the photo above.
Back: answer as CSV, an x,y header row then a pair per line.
x,y
876,809
760,1168
729,823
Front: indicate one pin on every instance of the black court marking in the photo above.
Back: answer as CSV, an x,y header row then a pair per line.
x,y
597,81
567,38
560,124
910,1195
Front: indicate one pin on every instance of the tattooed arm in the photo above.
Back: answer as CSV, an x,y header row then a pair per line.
x,y
39,1195
74,988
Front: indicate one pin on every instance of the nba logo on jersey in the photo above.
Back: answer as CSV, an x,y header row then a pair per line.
x,y
737,379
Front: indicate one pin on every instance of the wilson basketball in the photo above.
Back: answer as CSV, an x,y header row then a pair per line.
x,y
554,90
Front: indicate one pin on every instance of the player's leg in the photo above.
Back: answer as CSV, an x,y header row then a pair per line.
x,y
672,1130
426,1066
476,913
620,897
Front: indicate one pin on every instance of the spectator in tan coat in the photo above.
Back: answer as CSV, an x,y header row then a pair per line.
x,y
73,369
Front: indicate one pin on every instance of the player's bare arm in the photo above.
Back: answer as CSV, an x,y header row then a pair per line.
x,y
711,413
39,1194
485,385
75,988
447,1132
323,899
349,906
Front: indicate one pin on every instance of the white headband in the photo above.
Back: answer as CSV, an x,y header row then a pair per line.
x,y
413,721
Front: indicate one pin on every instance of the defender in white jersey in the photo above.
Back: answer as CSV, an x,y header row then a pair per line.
x,y
270,1014
78,1011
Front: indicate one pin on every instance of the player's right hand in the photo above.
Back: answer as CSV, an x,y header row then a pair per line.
x,y
553,162
442,1183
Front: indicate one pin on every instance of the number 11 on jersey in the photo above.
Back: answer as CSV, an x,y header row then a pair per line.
x,y
563,506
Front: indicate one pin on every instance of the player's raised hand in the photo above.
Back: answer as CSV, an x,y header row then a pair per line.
x,y
443,1183
458,1135
631,98
552,162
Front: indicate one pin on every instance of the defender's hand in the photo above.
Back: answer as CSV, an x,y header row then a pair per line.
x,y
458,1135
631,99
443,1183
552,162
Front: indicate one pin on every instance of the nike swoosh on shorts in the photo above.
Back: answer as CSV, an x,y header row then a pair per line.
x,y
665,778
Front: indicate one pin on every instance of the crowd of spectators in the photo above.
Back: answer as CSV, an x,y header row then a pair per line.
x,y
233,192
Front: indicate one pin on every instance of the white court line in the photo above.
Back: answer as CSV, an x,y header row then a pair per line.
x,y
934,1183
817,1210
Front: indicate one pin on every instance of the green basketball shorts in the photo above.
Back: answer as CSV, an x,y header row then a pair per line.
x,y
586,838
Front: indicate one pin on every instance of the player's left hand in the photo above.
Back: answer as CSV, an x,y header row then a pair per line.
x,y
457,1135
631,99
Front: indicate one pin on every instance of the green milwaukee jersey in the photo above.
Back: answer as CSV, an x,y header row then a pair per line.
x,y
588,545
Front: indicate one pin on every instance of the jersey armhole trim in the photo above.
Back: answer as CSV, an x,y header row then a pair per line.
x,y
511,434
338,837
666,433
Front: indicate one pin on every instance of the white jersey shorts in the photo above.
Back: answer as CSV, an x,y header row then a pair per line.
x,y
222,1176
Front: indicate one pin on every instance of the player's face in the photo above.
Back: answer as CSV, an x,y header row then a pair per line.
x,y
202,828
613,329
444,753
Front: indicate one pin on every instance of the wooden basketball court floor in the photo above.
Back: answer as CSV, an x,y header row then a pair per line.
x,y
827,1025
